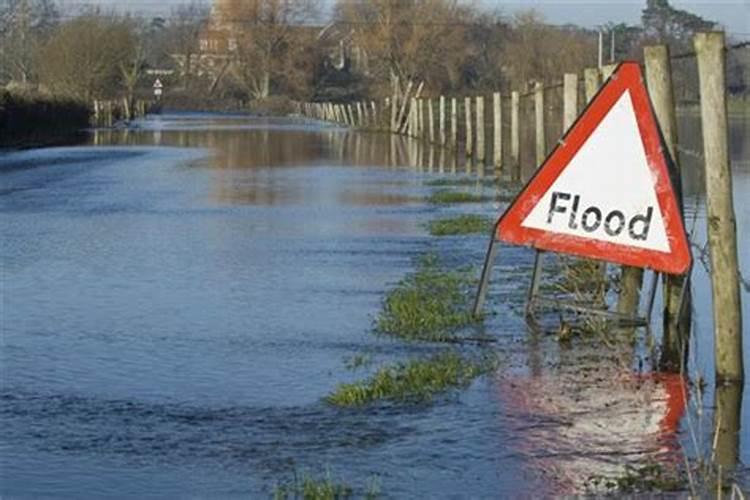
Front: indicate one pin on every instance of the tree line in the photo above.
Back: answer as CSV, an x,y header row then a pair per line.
x,y
256,49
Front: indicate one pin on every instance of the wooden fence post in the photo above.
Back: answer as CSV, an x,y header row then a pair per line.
x,y
497,129
676,318
469,144
515,136
480,129
722,235
541,140
570,99
454,123
431,121
420,119
592,82
441,124
394,113
415,117
607,70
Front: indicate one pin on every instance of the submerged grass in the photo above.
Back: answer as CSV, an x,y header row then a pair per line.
x,y
462,224
444,197
429,304
647,478
319,488
415,380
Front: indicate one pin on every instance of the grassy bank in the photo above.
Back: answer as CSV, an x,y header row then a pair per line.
x,y
30,119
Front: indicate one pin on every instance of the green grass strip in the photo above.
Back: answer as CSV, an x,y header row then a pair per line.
x,y
444,197
416,380
429,304
461,181
462,224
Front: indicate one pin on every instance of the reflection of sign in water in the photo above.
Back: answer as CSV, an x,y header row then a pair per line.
x,y
158,88
572,430
605,192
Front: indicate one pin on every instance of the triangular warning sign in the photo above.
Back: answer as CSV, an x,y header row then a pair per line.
x,y
605,191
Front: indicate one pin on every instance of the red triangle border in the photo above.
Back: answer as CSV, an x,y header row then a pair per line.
x,y
627,76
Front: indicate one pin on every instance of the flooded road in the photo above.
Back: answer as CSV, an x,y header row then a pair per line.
x,y
178,299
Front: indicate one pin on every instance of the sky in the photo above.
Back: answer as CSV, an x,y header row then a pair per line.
x,y
734,15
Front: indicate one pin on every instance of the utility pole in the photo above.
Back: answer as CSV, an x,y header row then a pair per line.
x,y
601,48
612,46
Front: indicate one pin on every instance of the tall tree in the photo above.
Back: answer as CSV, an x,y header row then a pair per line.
x,y
409,39
24,25
85,57
270,39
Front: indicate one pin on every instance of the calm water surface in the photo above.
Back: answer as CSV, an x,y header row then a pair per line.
x,y
178,299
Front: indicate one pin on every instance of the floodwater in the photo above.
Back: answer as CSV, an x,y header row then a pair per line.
x,y
178,298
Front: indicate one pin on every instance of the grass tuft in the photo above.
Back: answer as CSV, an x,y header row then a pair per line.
x,y
444,197
311,488
462,224
415,380
429,304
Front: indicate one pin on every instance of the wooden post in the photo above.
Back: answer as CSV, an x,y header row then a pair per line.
x,y
441,124
541,140
497,129
570,99
592,82
631,278
96,112
676,318
431,121
727,426
722,235
420,119
607,70
374,121
515,136
454,123
469,144
402,112
361,115
394,114
412,117
480,130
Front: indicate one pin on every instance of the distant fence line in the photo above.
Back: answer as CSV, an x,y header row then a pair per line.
x,y
451,122
108,112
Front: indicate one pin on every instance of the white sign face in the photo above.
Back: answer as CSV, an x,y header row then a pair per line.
x,y
158,84
622,207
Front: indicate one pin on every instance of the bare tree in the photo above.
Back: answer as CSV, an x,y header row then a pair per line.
x,y
24,25
537,51
269,37
84,59
412,39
